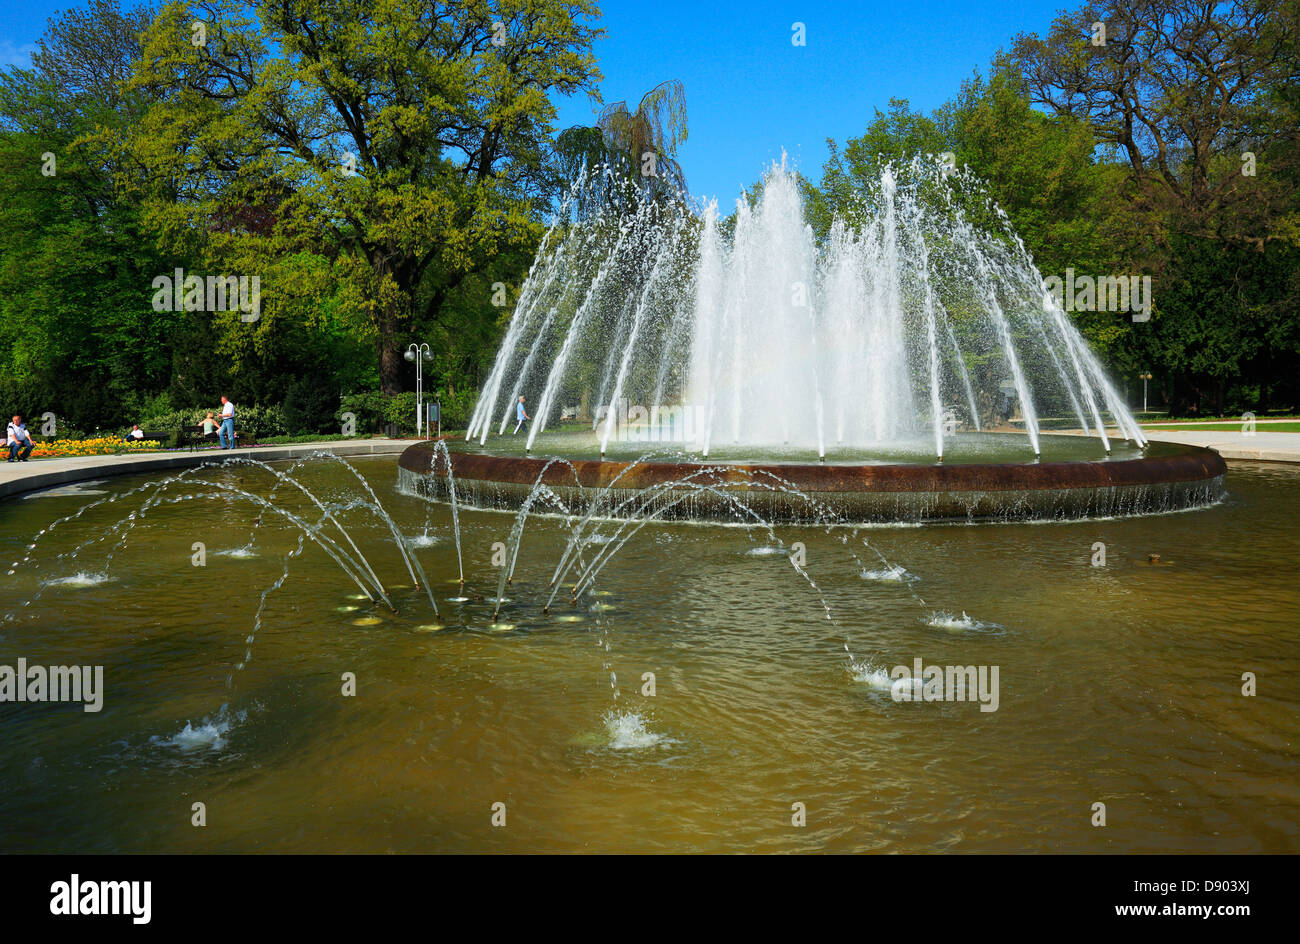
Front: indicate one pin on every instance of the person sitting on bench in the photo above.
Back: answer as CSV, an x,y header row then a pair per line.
x,y
15,438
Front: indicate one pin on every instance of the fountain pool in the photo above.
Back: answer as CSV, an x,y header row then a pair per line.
x,y
1119,683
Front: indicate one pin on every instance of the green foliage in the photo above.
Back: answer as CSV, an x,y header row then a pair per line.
x,y
400,146
374,411
457,408
77,334
309,404
229,158
640,146
253,420
300,438
1224,334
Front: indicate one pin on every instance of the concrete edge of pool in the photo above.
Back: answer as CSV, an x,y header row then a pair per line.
x,y
1189,477
39,474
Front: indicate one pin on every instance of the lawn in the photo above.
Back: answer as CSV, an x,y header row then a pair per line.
x,y
1228,427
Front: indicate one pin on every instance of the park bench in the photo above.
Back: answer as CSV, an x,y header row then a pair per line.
x,y
163,437
191,438
194,438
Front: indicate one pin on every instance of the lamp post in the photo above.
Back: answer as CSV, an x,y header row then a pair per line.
x,y
418,354
1145,377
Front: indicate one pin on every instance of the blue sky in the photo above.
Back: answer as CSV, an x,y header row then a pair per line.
x,y
750,93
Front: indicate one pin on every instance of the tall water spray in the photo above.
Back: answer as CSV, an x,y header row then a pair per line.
x,y
917,313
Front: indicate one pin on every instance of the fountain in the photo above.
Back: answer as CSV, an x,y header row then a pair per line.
x,y
673,380
905,364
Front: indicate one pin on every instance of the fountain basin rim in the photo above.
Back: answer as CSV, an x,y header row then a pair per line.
x,y
1188,464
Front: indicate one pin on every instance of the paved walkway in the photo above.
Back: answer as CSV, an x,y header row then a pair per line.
x,y
1259,447
36,474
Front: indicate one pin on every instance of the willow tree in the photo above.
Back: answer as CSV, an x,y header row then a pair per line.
x,y
639,147
404,142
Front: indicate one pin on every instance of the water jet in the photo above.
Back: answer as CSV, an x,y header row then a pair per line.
x,y
904,364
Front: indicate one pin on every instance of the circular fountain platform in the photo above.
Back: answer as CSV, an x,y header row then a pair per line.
x,y
1163,477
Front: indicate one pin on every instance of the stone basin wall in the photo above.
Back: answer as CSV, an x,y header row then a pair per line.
x,y
817,492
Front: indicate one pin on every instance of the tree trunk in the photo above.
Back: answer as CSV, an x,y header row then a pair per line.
x,y
390,357
392,295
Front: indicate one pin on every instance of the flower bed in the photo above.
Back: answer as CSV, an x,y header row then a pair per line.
x,y
104,446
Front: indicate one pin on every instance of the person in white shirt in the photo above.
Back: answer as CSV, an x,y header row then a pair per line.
x,y
520,415
136,433
18,440
226,432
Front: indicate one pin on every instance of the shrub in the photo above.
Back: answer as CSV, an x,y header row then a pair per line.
x,y
260,421
309,406
457,408
300,438
375,410
147,410
256,421
175,420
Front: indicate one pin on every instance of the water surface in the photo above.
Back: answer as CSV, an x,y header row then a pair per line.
x,y
1118,684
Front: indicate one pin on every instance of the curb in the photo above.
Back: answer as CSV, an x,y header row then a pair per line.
x,y
37,479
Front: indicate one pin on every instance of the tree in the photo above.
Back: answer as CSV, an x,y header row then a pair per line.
x,y
1201,101
640,146
88,55
77,334
1176,86
893,136
403,142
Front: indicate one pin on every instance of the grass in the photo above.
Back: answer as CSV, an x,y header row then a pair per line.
x,y
1235,418
1227,427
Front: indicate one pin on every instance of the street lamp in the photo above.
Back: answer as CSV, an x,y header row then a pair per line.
x,y
418,354
1145,378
